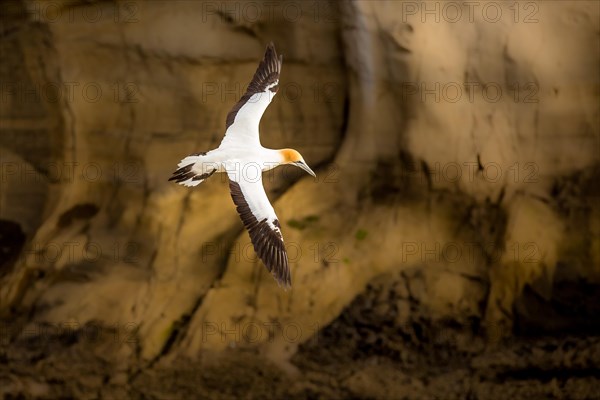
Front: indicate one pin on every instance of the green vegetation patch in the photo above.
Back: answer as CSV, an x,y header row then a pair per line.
x,y
303,223
361,234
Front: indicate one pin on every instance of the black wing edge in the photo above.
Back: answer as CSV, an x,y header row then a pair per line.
x,y
268,244
267,73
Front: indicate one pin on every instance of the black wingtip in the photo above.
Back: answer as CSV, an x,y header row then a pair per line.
x,y
282,274
283,279
287,285
271,50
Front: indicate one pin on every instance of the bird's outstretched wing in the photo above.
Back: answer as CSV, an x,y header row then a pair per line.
x,y
260,220
243,119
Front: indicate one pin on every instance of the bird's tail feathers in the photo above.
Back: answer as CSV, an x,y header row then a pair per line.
x,y
192,171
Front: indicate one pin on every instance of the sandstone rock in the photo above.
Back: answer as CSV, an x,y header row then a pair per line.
x,y
441,148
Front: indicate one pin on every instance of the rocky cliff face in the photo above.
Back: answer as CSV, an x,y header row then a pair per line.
x,y
456,148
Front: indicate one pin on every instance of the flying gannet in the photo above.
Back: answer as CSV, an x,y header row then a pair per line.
x,y
243,158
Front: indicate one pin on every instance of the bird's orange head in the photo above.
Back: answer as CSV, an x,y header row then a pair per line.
x,y
291,156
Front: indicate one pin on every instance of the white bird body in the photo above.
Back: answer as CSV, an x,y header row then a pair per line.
x,y
231,159
243,158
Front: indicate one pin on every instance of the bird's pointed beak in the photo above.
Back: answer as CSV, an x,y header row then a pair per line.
x,y
306,168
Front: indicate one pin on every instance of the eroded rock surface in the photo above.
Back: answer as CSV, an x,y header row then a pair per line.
x,y
455,205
